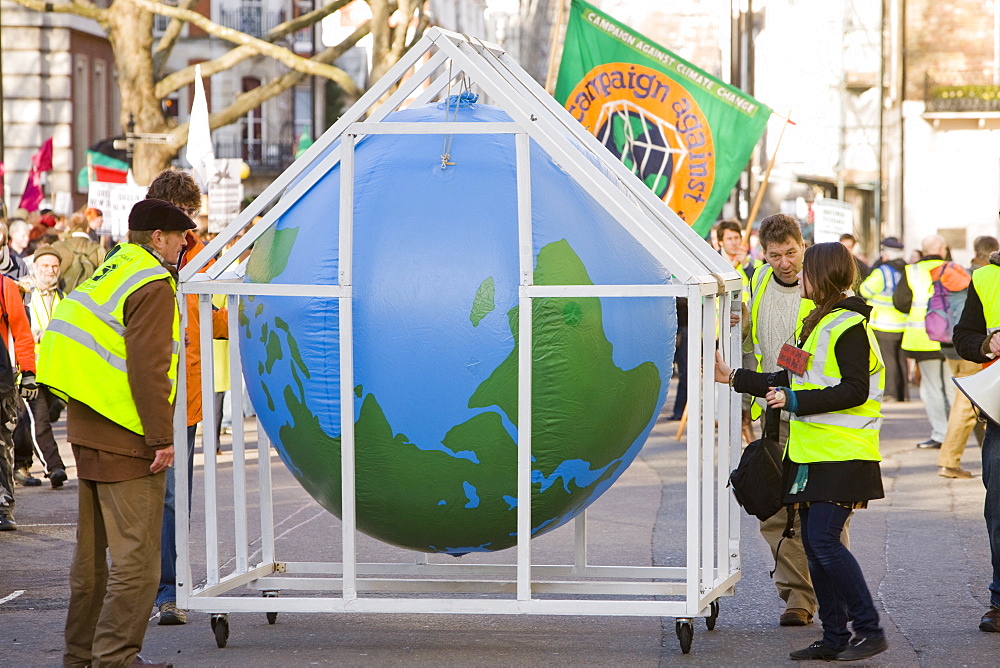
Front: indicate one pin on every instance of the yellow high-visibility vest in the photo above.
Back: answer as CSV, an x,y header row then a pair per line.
x,y
762,279
877,289
82,354
844,435
987,283
915,337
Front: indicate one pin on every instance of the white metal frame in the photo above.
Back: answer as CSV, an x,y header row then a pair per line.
x,y
712,287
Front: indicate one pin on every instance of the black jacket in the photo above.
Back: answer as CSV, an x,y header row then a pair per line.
x,y
848,481
970,331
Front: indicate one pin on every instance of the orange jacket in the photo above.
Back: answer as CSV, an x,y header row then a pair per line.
x,y
220,330
12,305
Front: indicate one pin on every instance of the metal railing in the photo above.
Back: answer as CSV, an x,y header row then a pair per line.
x,y
962,91
254,21
259,155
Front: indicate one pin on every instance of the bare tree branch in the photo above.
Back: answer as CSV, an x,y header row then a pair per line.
x,y
83,8
254,98
184,77
284,56
163,48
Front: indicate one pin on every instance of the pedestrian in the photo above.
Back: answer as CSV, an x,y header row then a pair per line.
x,y
730,238
111,349
776,311
850,243
912,296
80,254
18,231
17,377
181,190
963,418
33,433
12,265
976,340
680,360
887,321
832,456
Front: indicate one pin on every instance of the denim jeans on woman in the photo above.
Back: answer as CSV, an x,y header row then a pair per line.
x,y
840,586
991,479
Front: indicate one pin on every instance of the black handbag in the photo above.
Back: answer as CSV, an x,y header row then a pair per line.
x,y
757,480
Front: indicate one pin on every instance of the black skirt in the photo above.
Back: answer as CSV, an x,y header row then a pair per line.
x,y
841,482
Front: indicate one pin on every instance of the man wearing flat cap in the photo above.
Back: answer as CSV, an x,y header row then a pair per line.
x,y
111,351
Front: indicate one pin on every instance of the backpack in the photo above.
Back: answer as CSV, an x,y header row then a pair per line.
x,y
757,480
949,287
81,265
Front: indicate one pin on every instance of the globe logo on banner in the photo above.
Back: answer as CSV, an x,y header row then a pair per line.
x,y
639,140
655,127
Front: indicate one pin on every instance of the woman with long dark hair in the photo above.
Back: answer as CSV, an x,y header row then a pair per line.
x,y
832,455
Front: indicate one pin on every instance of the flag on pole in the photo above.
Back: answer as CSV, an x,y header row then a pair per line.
x,y
199,150
41,161
684,133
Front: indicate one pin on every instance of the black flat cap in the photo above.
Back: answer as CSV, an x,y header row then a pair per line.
x,y
158,214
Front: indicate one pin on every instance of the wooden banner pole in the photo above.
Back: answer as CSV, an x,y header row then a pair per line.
x,y
550,77
763,186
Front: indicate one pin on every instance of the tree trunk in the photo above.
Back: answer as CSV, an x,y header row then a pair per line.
x,y
130,31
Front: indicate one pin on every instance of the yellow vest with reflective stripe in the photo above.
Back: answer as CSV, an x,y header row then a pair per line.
x,y
755,265
878,291
915,337
762,279
838,435
987,283
82,354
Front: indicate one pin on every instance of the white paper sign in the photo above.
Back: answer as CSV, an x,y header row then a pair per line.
x,y
225,193
115,200
833,218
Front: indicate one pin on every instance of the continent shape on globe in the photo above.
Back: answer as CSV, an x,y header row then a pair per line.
x,y
456,493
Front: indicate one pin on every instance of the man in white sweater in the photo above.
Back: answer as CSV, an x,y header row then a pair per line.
x,y
776,311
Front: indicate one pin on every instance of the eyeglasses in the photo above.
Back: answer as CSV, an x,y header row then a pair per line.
x,y
190,211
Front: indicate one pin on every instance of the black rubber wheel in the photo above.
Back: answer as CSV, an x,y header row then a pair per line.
x,y
272,617
220,626
685,634
713,615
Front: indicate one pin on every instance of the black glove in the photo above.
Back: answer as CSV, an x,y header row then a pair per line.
x,y
29,388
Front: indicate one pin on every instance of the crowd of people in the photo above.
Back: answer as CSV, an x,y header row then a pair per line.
x,y
922,322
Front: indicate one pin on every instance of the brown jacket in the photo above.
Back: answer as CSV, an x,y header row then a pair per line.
x,y
148,316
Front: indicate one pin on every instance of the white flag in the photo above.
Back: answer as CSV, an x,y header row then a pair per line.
x,y
199,146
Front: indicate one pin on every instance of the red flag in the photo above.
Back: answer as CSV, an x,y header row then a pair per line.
x,y
42,160
33,194
109,175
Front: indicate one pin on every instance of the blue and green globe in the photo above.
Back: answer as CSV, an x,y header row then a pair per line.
x,y
435,310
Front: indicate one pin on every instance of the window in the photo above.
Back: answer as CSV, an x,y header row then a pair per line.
x,y
253,125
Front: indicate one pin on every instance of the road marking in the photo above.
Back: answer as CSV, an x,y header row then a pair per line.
x,y
11,597
65,524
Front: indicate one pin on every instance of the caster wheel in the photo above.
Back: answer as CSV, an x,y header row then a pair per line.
x,y
220,626
272,617
685,634
713,615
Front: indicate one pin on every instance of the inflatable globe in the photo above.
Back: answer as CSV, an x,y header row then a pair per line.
x,y
435,309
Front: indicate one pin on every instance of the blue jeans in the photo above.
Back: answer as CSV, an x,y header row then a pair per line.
x,y
168,542
837,579
991,509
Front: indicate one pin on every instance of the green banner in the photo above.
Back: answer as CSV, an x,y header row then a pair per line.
x,y
683,132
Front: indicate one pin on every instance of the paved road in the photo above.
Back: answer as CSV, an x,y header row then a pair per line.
x,y
923,550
